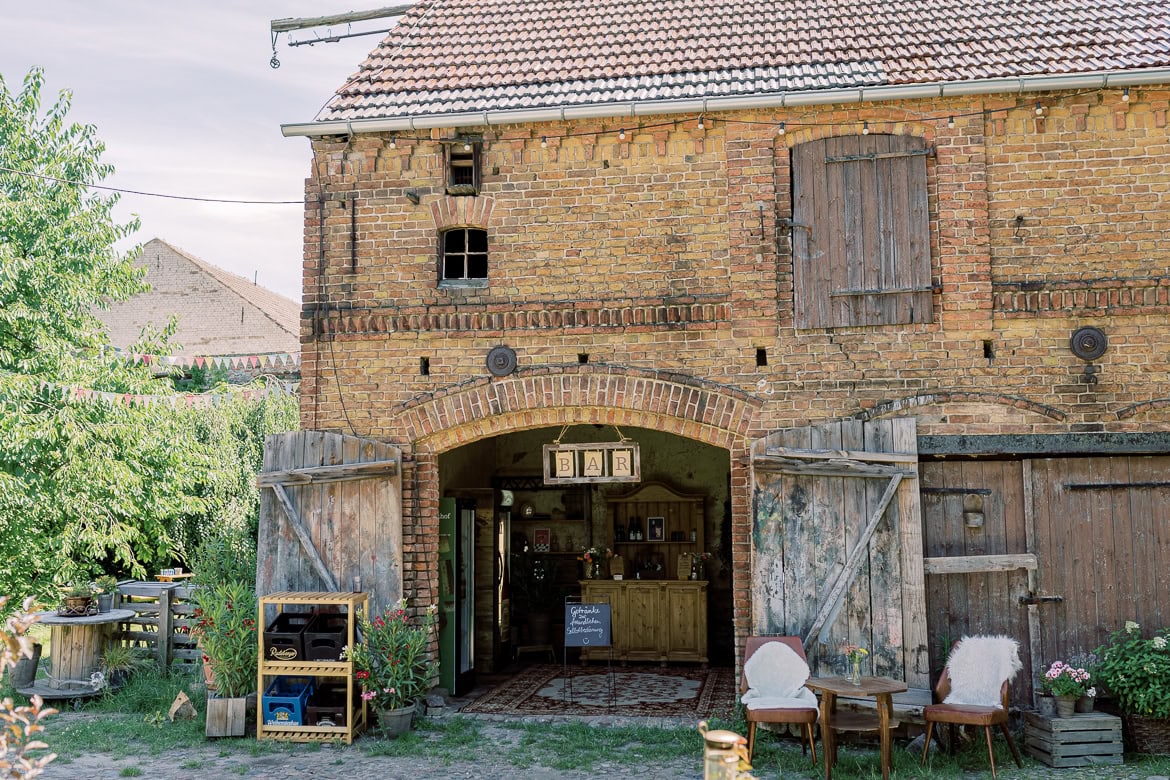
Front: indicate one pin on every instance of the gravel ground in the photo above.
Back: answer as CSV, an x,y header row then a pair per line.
x,y
216,761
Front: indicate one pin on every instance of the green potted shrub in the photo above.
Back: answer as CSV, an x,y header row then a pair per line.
x,y
120,662
394,665
106,587
1135,670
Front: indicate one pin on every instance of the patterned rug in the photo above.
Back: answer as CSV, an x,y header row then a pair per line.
x,y
549,689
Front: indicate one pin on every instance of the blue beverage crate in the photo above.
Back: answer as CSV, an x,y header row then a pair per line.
x,y
285,700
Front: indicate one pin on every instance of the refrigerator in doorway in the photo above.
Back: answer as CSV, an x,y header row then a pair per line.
x,y
456,594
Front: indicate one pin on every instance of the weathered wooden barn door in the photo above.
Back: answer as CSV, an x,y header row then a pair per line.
x,y
978,557
837,544
1103,543
330,516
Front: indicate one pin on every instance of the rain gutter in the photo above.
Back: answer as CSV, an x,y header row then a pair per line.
x,y
637,108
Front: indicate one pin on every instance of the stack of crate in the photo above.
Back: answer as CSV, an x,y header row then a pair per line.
x,y
1084,739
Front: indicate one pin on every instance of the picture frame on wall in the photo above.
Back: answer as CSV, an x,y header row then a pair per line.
x,y
541,539
655,529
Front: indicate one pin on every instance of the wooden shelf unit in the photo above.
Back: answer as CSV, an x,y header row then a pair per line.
x,y
356,717
681,513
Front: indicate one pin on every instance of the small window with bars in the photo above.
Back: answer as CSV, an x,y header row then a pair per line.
x,y
463,167
464,256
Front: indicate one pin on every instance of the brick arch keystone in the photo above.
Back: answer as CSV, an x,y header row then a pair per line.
x,y
957,396
604,394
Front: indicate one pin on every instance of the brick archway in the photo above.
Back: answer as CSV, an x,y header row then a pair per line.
x,y
606,394
704,411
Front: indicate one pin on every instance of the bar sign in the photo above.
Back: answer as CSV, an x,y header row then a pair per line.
x,y
566,464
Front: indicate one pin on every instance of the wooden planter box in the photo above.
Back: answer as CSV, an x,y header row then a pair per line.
x,y
226,717
1085,739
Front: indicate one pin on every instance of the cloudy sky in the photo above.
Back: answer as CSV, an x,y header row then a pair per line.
x,y
184,98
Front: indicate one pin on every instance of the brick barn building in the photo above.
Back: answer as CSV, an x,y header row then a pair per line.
x,y
880,288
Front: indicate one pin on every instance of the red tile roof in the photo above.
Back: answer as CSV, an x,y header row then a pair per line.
x,y
449,56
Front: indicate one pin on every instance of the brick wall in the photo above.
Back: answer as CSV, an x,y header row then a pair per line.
x,y
665,259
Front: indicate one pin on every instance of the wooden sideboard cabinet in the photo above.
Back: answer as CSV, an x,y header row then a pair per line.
x,y
653,620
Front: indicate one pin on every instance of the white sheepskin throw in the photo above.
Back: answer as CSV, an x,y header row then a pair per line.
x,y
776,677
978,667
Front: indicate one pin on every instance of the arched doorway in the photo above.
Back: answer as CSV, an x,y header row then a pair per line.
x,y
526,539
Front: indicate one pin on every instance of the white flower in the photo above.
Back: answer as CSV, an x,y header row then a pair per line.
x,y
1131,626
1160,642
1091,693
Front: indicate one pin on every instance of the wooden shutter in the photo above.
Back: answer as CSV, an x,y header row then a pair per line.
x,y
861,231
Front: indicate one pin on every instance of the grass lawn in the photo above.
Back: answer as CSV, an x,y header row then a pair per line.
x,y
131,724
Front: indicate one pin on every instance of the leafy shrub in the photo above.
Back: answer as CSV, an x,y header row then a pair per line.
x,y
1137,670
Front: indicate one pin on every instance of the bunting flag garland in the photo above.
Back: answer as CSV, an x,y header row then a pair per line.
x,y
278,360
173,400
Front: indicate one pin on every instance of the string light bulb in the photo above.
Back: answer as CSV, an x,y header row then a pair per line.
x,y
1125,95
950,121
780,129
393,141
1039,108
544,142
865,128
466,145
701,122
622,134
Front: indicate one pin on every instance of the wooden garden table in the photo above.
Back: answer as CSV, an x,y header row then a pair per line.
x,y
77,645
881,688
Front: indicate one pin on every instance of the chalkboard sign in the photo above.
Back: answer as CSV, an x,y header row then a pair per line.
x,y
587,625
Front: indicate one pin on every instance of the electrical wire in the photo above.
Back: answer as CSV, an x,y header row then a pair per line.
x,y
59,180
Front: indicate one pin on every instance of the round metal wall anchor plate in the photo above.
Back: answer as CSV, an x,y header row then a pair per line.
x,y
1088,343
501,361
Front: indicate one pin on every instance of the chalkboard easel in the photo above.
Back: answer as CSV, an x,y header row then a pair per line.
x,y
589,624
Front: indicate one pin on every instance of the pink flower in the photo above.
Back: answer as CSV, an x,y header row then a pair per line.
x,y
367,695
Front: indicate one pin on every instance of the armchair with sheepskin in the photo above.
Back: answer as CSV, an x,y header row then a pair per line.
x,y
775,670
973,690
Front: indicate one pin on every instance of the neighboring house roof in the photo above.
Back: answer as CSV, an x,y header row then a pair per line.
x,y
219,312
462,56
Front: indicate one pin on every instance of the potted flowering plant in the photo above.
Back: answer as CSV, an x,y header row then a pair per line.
x,y
393,663
225,628
1067,684
1136,672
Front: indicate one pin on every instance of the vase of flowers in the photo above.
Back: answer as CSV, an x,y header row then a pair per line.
x,y
225,629
593,558
1067,683
1135,670
699,565
854,654
394,665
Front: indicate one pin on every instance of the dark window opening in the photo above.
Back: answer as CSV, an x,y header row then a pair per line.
x,y
463,168
424,366
465,254
988,350
761,356
582,358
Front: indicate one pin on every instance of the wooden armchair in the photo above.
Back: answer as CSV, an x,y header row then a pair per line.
x,y
805,716
968,715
